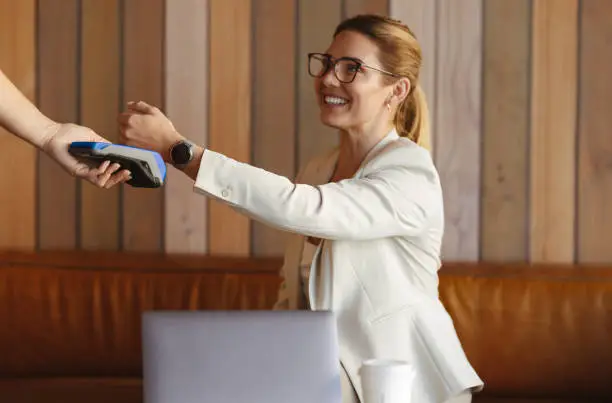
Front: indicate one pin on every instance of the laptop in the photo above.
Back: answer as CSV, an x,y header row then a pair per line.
x,y
240,357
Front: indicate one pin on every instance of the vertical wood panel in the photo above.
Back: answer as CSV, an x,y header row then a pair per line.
x,y
58,99
506,72
230,113
458,124
530,105
100,79
316,31
595,133
553,128
274,103
143,32
355,7
187,107
18,63
420,17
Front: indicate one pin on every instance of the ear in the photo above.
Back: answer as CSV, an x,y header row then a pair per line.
x,y
401,89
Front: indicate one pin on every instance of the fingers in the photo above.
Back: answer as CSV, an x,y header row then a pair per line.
x,y
126,134
120,177
142,107
104,166
106,176
127,121
124,118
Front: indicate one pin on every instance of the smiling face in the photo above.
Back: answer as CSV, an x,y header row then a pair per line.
x,y
360,104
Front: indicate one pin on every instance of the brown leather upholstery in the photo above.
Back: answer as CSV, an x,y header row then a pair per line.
x,y
72,322
84,320
535,331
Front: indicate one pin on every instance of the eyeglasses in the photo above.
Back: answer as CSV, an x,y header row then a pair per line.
x,y
345,68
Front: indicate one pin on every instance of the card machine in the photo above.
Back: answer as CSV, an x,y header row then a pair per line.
x,y
147,167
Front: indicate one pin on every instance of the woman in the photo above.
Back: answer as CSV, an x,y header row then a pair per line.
x,y
367,218
20,117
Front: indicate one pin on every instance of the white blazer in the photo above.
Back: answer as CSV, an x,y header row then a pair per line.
x,y
382,232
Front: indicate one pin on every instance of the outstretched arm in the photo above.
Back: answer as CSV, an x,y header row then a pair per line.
x,y
400,197
21,117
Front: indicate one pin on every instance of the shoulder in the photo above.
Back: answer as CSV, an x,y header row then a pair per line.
x,y
403,155
408,172
403,151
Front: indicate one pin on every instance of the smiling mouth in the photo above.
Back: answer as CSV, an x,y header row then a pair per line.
x,y
335,101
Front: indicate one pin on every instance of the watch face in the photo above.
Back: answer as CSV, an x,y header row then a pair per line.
x,y
181,153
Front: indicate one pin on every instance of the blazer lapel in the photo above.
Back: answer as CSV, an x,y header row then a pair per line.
x,y
320,174
323,172
376,150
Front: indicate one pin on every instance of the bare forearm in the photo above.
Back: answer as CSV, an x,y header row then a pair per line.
x,y
20,116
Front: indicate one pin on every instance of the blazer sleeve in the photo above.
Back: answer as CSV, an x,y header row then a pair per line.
x,y
394,198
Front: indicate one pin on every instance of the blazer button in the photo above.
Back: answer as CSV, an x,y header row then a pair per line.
x,y
225,193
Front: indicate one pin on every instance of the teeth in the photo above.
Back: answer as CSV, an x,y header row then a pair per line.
x,y
335,100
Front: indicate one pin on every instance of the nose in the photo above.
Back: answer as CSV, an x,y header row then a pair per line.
x,y
329,79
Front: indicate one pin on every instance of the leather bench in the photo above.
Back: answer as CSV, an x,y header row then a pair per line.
x,y
71,322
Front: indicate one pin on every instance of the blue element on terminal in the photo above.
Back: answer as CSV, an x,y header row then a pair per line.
x,y
90,144
161,165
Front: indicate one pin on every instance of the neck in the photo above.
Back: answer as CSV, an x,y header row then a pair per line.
x,y
354,146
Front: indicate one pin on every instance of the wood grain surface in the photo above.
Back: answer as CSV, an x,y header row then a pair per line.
x,y
230,113
553,130
505,163
18,62
143,50
458,124
58,92
100,81
595,136
518,93
274,96
187,87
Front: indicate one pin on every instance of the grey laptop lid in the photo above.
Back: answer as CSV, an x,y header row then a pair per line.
x,y
240,357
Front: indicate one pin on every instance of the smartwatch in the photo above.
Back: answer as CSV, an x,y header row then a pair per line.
x,y
181,154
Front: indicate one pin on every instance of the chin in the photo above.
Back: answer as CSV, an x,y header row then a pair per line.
x,y
335,122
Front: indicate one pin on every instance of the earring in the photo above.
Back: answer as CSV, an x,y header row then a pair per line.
x,y
388,103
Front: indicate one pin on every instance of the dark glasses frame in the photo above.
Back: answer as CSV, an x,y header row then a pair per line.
x,y
332,63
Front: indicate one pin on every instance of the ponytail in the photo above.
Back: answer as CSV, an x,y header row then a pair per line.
x,y
412,118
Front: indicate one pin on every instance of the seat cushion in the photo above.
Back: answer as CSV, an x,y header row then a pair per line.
x,y
539,332
71,390
129,390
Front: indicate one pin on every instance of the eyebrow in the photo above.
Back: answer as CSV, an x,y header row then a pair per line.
x,y
356,59
363,64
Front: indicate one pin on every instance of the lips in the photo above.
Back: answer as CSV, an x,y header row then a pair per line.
x,y
335,100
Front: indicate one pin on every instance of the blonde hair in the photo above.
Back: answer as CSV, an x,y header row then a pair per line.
x,y
400,54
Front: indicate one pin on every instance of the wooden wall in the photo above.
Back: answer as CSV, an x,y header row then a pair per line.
x,y
520,93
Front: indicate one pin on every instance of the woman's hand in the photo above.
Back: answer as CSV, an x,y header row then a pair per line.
x,y
145,126
56,143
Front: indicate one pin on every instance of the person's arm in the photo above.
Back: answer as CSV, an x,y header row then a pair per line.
x,y
19,116
398,198
22,118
